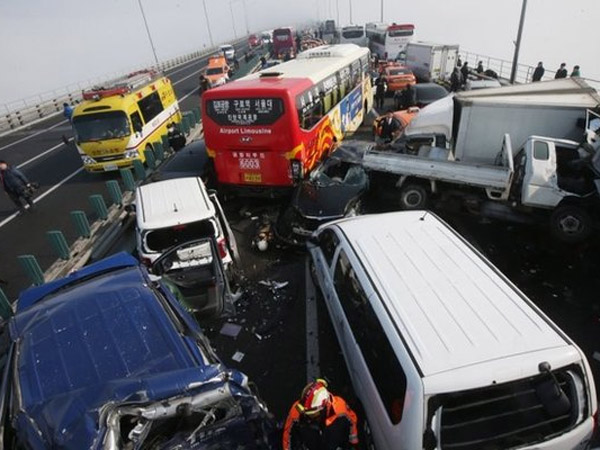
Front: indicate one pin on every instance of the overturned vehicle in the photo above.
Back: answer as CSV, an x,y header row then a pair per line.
x,y
107,358
333,190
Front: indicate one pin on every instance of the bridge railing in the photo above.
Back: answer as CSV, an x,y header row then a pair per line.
x,y
20,113
501,66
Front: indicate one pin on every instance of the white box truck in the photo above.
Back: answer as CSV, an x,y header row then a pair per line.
x,y
430,61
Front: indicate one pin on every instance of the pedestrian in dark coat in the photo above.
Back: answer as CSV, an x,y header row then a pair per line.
x,y
464,70
480,68
455,80
16,185
576,72
538,73
562,72
380,86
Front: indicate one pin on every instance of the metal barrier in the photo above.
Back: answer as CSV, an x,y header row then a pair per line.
x,y
20,113
502,66
96,238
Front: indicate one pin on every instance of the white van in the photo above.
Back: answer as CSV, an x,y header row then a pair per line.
x,y
228,51
172,212
444,352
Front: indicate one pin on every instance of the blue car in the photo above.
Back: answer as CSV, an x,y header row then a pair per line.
x,y
109,358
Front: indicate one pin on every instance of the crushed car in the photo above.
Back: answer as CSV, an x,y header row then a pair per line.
x,y
107,358
333,190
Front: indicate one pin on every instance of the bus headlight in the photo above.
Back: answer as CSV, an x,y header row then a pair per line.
x,y
87,160
296,169
130,154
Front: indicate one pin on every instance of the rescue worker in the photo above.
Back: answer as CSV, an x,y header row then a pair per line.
x,y
320,421
17,186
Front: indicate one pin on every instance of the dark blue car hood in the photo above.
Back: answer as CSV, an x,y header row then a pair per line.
x,y
106,340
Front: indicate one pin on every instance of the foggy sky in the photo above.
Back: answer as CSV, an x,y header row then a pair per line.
x,y
48,44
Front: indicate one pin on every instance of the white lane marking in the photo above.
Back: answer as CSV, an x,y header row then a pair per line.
x,y
312,329
23,139
51,149
45,194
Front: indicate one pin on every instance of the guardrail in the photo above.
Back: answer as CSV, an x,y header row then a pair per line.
x,y
110,219
27,111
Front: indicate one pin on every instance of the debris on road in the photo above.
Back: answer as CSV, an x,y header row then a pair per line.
x,y
230,329
238,356
274,284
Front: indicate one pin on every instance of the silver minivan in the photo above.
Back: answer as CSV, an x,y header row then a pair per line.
x,y
444,352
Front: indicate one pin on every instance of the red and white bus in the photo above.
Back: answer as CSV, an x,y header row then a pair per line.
x,y
387,41
269,129
284,43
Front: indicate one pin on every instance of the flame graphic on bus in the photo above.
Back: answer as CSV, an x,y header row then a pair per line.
x,y
323,141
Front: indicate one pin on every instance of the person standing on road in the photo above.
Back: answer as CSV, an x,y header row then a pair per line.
x,y
561,72
464,70
576,72
16,185
389,128
538,73
320,421
67,111
380,86
455,80
480,68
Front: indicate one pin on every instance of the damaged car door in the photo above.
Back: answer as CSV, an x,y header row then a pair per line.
x,y
193,272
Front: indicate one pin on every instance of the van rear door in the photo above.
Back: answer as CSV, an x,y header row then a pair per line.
x,y
193,272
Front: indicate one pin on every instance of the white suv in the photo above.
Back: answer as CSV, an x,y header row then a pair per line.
x,y
173,212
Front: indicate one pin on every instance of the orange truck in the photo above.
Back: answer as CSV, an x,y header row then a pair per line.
x,y
217,70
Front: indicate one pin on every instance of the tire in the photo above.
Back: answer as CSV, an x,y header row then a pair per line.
x,y
413,196
571,224
366,436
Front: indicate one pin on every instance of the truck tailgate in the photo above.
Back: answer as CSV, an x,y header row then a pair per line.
x,y
457,172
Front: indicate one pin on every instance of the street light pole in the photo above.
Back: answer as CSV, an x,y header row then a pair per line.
x,y
513,71
232,19
246,17
381,18
148,31
337,7
212,44
350,9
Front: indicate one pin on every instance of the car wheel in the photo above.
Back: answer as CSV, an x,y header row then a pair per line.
x,y
413,196
367,436
571,223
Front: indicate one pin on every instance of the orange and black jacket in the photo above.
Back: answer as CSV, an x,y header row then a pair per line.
x,y
337,430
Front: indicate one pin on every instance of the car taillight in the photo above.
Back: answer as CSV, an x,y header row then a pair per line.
x,y
222,248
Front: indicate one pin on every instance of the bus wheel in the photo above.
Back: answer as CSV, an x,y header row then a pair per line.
x,y
571,223
413,196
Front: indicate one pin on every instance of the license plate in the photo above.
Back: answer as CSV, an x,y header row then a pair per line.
x,y
110,167
249,163
252,177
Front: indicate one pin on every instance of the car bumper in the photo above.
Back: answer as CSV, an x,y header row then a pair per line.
x,y
110,166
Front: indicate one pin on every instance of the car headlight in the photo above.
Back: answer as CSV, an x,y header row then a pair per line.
x,y
87,159
130,154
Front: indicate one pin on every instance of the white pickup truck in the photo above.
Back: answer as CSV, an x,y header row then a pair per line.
x,y
548,180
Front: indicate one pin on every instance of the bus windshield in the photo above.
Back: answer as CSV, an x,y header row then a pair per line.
x,y
214,70
100,126
282,36
400,33
352,34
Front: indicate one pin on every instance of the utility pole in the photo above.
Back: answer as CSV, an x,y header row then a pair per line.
x,y
148,31
212,44
350,9
381,17
232,19
513,72
246,17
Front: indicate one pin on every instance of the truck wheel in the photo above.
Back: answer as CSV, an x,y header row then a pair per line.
x,y
571,223
413,196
